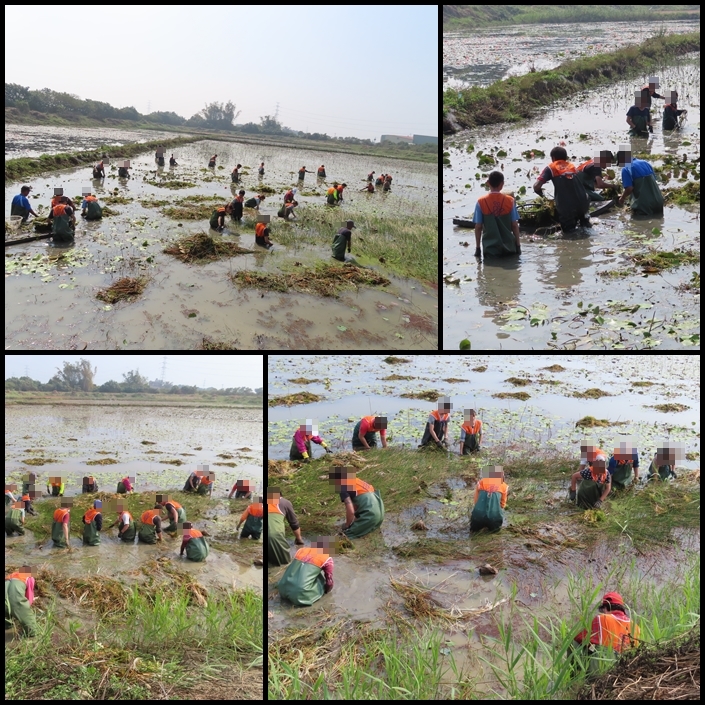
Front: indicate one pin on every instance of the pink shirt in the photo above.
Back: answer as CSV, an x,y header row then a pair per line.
x,y
127,484
301,440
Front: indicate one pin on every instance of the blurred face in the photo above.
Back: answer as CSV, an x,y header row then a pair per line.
x,y
599,466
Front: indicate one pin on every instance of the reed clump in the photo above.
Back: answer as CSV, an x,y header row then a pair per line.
x,y
125,289
201,248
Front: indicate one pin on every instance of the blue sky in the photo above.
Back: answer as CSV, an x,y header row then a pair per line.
x,y
216,371
351,70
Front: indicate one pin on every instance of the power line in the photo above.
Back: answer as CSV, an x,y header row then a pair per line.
x,y
163,369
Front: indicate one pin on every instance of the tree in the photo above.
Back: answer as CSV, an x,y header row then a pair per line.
x,y
269,124
78,376
15,92
219,116
134,382
110,386
258,391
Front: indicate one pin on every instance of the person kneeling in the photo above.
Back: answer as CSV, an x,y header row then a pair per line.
x,y
490,500
310,575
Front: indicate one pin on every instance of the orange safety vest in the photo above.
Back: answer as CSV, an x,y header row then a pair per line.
x,y
90,515
561,168
273,508
617,632
439,416
496,204
220,209
128,514
473,428
148,516
56,200
194,533
585,165
490,485
174,504
59,514
256,509
259,229
311,555
18,576
340,189
205,480
26,498
360,487
59,209
91,198
331,191
240,199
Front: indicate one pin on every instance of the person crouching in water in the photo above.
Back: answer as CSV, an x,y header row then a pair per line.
x,y
89,484
671,113
252,518
14,518
470,433
310,575
571,198
595,484
639,181
496,221
90,208
364,508
490,500
194,543
150,527
93,524
301,442
590,173
437,425
19,596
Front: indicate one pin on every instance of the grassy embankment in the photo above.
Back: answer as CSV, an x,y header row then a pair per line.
x,y
457,17
518,97
404,659
420,153
136,399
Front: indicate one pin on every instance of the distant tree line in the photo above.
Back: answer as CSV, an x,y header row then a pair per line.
x,y
215,116
79,377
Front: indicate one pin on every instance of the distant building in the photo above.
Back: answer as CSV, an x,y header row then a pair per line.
x,y
425,139
397,138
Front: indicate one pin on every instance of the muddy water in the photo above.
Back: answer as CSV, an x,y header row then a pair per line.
x,y
43,431
547,418
52,304
35,140
554,274
489,54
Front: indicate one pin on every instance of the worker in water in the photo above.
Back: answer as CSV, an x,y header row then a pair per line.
x,y
236,207
590,173
89,484
303,172
123,171
235,174
595,483
332,195
371,176
623,466
342,240
211,163
671,112
289,195
93,524
55,486
160,156
90,208
14,518
470,433
242,489
21,205
364,508
339,188
28,482
287,210
379,181
125,485
639,181
611,631
278,509
321,173
126,524
19,596
305,434
496,221
172,161
193,481
150,527
252,518
572,201
310,575
262,235
60,198
639,117
175,512
369,188
490,500
254,201
436,428
60,524
9,496
217,221
663,464
63,222
260,171
387,183
27,501
194,543
99,170
207,483
365,432
648,91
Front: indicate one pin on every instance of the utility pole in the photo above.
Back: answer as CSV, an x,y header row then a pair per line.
x,y
163,368
26,371
276,112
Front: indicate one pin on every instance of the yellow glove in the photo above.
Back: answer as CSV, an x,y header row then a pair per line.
x,y
305,455
323,444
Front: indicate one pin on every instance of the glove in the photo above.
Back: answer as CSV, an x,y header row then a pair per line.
x,y
597,504
477,252
305,454
439,444
307,460
651,129
298,543
328,450
571,495
518,249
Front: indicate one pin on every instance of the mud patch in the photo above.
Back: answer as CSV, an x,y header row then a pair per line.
x,y
669,408
523,396
592,393
428,395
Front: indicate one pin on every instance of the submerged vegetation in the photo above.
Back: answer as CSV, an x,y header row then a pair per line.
x,y
518,97
299,398
200,248
125,289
